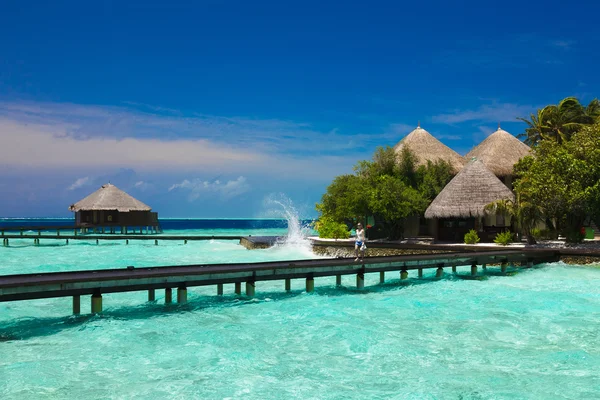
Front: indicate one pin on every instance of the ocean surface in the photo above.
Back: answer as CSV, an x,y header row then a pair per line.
x,y
532,335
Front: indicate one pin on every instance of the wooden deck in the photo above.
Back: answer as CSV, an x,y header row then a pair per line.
x,y
96,282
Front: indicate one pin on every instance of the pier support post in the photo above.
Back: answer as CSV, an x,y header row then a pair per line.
x,y
126,241
310,284
238,288
96,303
67,241
484,267
403,274
182,295
97,241
288,285
529,264
360,280
454,269
185,241
168,295
76,305
151,295
382,277
219,289
420,272
250,288
338,279
503,267
473,269
156,242
439,273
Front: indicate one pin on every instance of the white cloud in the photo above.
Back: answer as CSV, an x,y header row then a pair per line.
x,y
225,190
563,44
80,183
496,112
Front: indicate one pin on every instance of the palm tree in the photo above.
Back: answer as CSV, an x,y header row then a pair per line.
x,y
559,122
526,213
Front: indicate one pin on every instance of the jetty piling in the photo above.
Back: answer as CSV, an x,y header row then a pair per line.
x,y
250,288
310,284
76,305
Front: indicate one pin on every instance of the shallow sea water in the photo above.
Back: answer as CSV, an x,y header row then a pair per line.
x,y
533,335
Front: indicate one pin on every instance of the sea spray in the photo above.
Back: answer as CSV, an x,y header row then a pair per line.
x,y
280,206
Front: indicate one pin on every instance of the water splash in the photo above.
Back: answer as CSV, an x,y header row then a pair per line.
x,y
281,206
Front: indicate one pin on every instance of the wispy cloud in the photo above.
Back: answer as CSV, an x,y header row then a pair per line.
x,y
563,44
225,190
496,112
80,183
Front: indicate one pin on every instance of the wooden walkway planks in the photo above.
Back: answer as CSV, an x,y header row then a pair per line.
x,y
59,284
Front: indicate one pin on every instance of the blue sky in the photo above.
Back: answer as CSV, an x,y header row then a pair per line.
x,y
204,109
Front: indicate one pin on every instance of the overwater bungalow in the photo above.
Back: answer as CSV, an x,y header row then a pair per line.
x,y
459,207
499,152
110,207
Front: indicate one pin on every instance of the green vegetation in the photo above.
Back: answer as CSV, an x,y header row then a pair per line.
x,y
330,229
504,238
559,183
562,180
472,237
558,123
390,188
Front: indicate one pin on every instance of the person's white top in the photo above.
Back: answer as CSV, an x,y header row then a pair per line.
x,y
360,235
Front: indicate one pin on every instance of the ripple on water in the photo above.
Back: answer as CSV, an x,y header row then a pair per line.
x,y
531,335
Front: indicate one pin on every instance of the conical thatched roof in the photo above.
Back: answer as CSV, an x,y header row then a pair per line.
x,y
499,152
426,147
468,193
109,197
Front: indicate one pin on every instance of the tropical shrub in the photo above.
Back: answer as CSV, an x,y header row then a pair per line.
x,y
389,188
504,238
472,237
330,229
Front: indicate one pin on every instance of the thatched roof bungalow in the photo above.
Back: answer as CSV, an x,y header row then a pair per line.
x,y
499,152
428,148
460,205
110,206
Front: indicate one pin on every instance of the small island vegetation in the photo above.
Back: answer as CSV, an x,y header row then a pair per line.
x,y
388,188
556,187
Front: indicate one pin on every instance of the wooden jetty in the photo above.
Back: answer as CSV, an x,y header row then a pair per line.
x,y
81,229
99,282
126,238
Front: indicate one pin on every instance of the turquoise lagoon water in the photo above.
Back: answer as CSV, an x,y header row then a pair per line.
x,y
533,335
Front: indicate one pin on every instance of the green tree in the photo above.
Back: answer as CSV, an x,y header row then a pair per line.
x,y
389,187
559,122
563,180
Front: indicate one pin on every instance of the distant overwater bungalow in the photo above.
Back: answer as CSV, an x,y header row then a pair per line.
x,y
109,208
